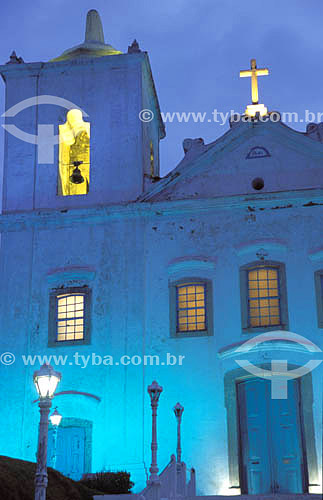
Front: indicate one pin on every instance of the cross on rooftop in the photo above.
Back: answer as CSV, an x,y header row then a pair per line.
x,y
253,73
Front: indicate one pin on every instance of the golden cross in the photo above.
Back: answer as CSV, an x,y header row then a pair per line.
x,y
254,72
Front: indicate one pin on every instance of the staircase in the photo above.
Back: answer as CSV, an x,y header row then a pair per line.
x,y
172,485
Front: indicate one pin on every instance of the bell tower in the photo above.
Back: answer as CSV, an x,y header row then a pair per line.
x,y
75,136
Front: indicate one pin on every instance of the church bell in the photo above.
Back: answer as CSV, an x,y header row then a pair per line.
x,y
77,177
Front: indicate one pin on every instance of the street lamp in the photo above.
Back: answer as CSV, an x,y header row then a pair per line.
x,y
55,419
46,380
154,391
178,411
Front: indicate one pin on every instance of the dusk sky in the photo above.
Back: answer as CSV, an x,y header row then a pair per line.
x,y
196,50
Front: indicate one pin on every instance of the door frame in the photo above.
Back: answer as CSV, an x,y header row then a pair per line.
x,y
231,379
304,475
87,425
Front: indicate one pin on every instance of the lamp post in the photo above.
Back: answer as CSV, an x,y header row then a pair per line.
x,y
154,391
55,419
46,380
178,411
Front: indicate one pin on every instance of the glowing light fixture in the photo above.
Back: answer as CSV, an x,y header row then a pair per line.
x,y
255,108
55,418
46,380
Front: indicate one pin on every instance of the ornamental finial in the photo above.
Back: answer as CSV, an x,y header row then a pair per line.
x,y
94,29
134,47
14,59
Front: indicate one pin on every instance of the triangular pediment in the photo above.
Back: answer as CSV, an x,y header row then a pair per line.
x,y
250,158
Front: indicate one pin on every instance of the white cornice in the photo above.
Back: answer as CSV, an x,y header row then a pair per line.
x,y
44,219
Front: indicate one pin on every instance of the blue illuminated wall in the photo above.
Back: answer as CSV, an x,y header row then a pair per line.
x,y
128,240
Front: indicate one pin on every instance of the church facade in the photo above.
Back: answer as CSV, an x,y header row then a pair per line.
x,y
193,279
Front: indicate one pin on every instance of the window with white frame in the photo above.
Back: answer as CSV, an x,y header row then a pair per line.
x,y
191,307
263,296
69,316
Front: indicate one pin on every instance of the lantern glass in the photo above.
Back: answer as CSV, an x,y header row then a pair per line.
x,y
178,410
154,391
46,380
55,418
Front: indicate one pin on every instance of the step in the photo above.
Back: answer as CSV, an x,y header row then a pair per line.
x,y
221,497
277,496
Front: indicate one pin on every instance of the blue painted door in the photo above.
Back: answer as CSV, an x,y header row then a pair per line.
x,y
70,451
271,450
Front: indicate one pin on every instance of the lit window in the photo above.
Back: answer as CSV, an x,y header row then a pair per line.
x,y
263,297
70,317
74,155
191,307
